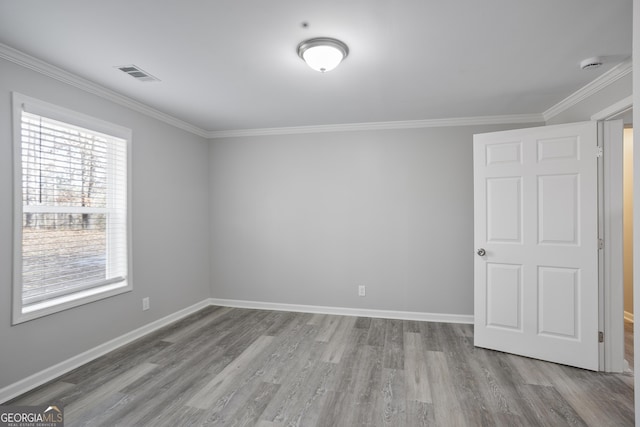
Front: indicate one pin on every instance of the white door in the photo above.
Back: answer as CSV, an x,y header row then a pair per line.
x,y
536,237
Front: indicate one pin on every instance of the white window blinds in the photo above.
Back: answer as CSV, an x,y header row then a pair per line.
x,y
73,210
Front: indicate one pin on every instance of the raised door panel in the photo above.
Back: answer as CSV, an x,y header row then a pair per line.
x,y
506,153
504,296
566,148
504,210
558,209
558,302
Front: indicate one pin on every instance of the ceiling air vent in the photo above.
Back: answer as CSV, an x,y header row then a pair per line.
x,y
591,63
137,73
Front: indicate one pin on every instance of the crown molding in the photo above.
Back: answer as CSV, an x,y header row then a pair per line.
x,y
408,124
619,71
44,68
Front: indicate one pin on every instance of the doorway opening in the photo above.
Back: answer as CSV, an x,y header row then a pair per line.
x,y
617,355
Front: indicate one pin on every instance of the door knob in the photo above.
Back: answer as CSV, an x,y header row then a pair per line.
x,y
481,252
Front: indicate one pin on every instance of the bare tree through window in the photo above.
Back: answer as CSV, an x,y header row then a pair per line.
x,y
66,173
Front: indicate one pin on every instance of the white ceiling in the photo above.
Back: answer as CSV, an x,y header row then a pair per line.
x,y
232,64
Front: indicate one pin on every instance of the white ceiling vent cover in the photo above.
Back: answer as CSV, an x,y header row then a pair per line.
x,y
137,73
591,63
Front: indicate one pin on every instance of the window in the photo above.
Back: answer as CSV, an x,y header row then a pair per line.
x,y
71,221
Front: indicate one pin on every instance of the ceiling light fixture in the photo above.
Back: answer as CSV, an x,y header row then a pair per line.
x,y
322,53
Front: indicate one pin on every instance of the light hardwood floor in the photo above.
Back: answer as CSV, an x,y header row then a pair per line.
x,y
237,367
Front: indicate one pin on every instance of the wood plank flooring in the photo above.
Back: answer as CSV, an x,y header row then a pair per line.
x,y
237,367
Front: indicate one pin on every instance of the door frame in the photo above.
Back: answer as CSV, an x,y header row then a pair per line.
x,y
612,292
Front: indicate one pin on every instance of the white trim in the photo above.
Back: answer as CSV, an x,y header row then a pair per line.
x,y
346,311
613,291
44,68
628,316
24,313
616,109
596,85
48,374
71,118
407,124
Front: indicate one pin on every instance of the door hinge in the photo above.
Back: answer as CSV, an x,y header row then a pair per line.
x,y
600,336
600,243
599,151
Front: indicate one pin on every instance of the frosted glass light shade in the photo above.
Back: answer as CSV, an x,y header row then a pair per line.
x,y
323,54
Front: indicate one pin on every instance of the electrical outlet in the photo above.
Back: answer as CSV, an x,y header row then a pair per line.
x,y
145,303
362,290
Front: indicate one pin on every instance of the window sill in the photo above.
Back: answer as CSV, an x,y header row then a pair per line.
x,y
34,311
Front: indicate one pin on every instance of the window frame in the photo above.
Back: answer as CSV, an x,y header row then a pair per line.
x,y
83,295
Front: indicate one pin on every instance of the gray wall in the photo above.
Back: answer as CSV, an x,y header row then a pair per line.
x,y
305,219
170,229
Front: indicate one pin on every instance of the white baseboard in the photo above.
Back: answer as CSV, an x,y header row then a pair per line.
x,y
346,311
46,375
51,373
628,316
